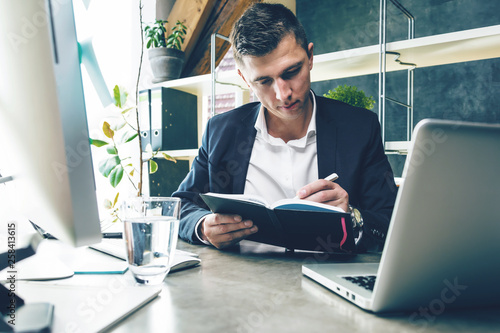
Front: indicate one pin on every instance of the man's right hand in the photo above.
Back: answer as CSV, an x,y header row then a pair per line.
x,y
224,230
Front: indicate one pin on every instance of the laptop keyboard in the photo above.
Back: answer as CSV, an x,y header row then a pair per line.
x,y
365,281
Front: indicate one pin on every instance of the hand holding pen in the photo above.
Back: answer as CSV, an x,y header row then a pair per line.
x,y
325,191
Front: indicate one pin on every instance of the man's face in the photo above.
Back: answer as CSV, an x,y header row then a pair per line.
x,y
281,80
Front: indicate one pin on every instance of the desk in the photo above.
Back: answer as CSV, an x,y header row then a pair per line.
x,y
259,288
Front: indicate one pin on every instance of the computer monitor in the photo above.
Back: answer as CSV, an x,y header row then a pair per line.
x,y
44,140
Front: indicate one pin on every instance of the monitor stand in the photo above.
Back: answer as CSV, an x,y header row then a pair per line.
x,y
16,315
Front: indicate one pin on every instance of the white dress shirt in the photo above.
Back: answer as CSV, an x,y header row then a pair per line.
x,y
277,170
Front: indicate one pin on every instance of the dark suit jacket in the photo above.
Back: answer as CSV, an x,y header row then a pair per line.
x,y
348,143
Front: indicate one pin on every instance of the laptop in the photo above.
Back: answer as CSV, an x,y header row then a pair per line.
x,y
443,241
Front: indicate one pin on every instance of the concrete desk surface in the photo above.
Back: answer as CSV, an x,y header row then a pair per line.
x,y
260,288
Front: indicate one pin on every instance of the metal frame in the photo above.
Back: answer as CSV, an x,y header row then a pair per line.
x,y
212,67
382,68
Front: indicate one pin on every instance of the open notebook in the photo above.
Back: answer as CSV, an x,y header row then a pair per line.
x,y
116,248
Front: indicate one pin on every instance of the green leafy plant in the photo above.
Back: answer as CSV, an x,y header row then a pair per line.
x,y
119,131
155,35
176,38
352,96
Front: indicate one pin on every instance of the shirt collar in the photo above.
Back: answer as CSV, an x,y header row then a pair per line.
x,y
261,127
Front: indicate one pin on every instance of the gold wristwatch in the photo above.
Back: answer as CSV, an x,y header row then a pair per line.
x,y
357,223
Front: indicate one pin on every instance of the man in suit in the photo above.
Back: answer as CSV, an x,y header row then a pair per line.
x,y
286,144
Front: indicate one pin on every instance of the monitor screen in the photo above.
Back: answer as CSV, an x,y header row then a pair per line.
x,y
44,141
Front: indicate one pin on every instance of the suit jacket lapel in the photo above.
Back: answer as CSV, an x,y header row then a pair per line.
x,y
243,144
326,140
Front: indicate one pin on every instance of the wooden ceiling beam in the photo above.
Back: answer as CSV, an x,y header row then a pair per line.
x,y
194,14
221,19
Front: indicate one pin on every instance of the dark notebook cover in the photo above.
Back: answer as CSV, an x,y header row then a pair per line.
x,y
293,224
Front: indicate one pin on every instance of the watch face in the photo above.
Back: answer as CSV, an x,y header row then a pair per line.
x,y
357,215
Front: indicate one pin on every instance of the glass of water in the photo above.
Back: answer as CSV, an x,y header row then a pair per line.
x,y
151,227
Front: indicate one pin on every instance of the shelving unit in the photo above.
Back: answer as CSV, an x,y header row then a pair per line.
x,y
448,48
454,47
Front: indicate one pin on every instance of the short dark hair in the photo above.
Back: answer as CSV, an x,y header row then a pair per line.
x,y
262,27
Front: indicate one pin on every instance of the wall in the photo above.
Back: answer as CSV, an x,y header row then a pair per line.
x,y
466,91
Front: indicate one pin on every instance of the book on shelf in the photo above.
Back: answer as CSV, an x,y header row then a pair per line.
x,y
290,223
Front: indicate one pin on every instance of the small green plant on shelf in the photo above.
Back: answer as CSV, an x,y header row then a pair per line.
x,y
155,35
164,52
120,131
352,96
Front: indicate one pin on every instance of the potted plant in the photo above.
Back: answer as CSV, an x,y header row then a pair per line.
x,y
352,96
165,54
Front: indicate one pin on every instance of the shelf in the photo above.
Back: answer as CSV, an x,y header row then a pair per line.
x,y
454,47
201,85
397,147
180,154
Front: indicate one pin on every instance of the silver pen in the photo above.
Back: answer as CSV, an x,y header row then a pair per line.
x,y
332,177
